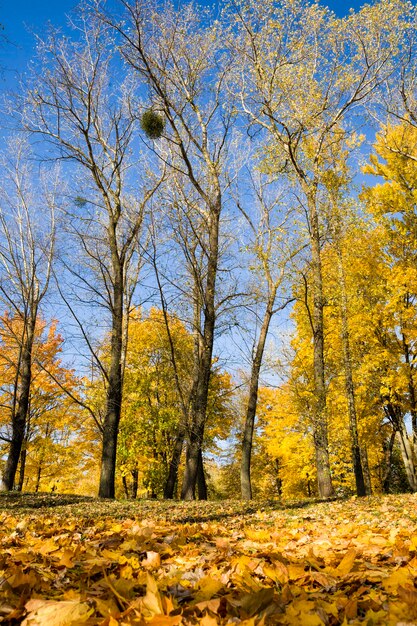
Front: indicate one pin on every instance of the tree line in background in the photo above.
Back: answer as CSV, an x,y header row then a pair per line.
x,y
182,185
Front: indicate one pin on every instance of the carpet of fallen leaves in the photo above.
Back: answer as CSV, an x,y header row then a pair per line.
x,y
68,561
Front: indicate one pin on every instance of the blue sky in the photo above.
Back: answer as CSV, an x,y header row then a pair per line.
x,y
21,18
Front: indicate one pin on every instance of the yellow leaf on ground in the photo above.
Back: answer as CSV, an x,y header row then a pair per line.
x,y
165,620
207,588
152,561
401,576
152,600
346,564
62,613
208,620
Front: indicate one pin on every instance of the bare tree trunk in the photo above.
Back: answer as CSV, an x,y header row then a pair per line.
x,y
411,392
199,396
38,476
320,430
22,465
125,486
407,456
201,479
172,479
386,479
394,413
135,483
114,391
350,390
245,479
366,472
20,416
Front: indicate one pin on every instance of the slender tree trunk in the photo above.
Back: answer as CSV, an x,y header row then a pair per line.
x,y
320,429
114,391
245,479
350,390
386,479
125,486
135,483
22,465
174,464
411,392
38,476
201,479
198,417
203,371
394,413
278,479
22,407
407,456
366,472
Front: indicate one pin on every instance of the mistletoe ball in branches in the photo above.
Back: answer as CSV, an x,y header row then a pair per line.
x,y
152,124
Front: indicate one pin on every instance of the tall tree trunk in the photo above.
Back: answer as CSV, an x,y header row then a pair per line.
x,y
388,449
201,479
22,466
366,471
125,486
135,483
245,479
38,476
394,413
320,429
114,391
407,456
411,392
350,390
278,479
169,488
199,396
22,407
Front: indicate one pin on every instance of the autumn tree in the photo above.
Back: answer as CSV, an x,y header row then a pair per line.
x,y
305,73
272,244
151,412
27,243
53,419
84,104
392,204
180,54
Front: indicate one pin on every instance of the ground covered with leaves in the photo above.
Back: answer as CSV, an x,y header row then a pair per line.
x,y
68,561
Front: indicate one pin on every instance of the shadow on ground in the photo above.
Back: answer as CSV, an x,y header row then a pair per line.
x,y
177,512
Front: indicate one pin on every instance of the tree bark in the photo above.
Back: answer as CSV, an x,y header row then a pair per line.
x,y
114,389
135,483
407,456
411,392
22,466
394,413
245,479
386,479
320,429
366,472
201,479
349,386
125,486
203,366
38,476
169,488
22,407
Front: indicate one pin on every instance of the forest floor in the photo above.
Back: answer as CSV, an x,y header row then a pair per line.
x,y
67,560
